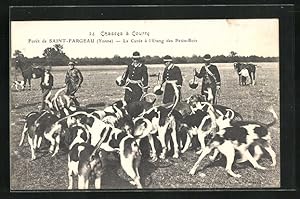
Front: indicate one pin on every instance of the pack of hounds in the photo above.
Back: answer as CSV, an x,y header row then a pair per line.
x,y
119,128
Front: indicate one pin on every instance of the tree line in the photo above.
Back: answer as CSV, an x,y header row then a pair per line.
x,y
55,56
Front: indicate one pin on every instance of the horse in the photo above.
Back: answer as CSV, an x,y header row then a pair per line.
x,y
251,69
29,72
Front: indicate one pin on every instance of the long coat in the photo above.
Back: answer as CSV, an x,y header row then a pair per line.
x,y
136,78
170,74
73,80
210,79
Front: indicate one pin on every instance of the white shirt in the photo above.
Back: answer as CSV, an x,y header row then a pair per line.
x,y
46,79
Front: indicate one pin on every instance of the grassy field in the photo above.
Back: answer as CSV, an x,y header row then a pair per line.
x,y
99,89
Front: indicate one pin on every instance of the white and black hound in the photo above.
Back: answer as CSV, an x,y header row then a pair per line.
x,y
239,136
36,124
86,163
19,85
114,140
197,102
157,119
200,124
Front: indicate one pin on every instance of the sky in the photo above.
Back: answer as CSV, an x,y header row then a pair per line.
x,y
106,38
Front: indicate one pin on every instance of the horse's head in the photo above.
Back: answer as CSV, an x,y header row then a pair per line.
x,y
18,64
23,65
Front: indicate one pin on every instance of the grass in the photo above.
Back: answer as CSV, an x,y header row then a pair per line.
x,y
99,89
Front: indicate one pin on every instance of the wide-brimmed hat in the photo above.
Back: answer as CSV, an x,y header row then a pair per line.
x,y
71,63
136,55
168,58
207,57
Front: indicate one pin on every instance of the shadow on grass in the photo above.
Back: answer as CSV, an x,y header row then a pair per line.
x,y
25,105
111,177
221,161
99,104
114,176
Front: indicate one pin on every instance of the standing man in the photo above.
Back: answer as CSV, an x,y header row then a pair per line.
x,y
46,85
173,81
73,81
211,82
136,79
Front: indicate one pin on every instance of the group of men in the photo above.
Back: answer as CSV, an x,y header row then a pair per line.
x,y
73,81
136,80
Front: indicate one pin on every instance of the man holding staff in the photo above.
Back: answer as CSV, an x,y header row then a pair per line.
x,y
211,82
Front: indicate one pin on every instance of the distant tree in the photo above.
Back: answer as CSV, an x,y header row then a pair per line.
x,y
194,59
58,48
180,60
55,56
233,54
38,61
19,59
117,60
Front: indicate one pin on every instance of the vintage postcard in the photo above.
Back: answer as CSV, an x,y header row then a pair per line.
x,y
150,104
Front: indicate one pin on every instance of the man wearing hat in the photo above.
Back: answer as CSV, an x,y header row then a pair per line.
x,y
135,78
211,82
173,81
46,84
73,81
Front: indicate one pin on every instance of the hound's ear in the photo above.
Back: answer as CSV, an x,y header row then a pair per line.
x,y
185,100
140,122
84,119
139,127
119,104
202,98
90,121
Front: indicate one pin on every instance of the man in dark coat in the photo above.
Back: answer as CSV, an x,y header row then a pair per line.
x,y
46,84
211,82
173,81
73,81
136,78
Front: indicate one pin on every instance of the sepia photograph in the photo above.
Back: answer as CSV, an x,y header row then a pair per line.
x,y
144,104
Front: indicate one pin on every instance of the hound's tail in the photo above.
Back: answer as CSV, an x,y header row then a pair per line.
x,y
54,99
148,94
30,114
237,115
275,117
